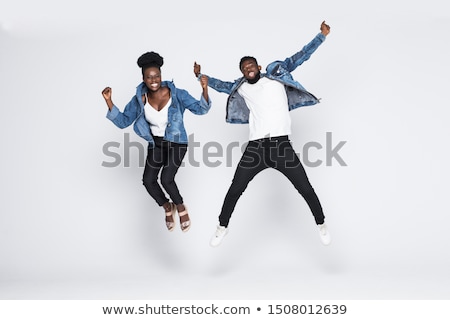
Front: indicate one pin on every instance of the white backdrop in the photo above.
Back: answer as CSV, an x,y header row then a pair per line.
x,y
71,228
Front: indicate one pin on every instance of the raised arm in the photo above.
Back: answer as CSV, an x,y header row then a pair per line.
x,y
324,28
120,119
197,107
216,84
204,84
107,93
291,63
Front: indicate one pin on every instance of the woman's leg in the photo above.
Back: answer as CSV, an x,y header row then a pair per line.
x,y
153,165
173,154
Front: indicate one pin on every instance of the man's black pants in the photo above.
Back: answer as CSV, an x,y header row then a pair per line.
x,y
276,153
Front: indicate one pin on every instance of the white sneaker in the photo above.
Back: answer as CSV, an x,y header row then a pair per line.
x,y
324,234
218,236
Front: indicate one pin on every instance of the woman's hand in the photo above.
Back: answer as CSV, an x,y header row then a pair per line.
x,y
107,93
204,82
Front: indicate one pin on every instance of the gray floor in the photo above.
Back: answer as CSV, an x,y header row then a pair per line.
x,y
127,254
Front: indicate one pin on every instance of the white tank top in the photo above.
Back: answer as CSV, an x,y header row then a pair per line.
x,y
157,119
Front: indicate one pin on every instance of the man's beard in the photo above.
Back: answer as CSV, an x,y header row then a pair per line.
x,y
255,79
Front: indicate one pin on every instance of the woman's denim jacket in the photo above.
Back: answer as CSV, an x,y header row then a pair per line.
x,y
175,131
237,109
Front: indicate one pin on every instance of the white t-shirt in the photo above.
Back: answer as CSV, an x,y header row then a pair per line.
x,y
269,110
157,119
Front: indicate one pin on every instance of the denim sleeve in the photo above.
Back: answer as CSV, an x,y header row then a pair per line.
x,y
198,107
125,118
219,85
298,58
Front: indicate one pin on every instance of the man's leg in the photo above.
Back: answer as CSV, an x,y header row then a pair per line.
x,y
251,163
287,162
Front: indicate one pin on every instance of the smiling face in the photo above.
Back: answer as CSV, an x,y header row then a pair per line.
x,y
250,69
152,78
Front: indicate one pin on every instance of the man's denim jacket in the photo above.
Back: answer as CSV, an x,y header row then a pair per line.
x,y
237,109
175,131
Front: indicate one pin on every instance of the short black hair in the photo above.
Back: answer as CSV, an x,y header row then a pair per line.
x,y
245,58
150,59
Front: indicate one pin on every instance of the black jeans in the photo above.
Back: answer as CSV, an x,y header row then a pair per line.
x,y
165,157
277,153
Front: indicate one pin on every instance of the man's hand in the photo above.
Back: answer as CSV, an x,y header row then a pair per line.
x,y
324,28
196,69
